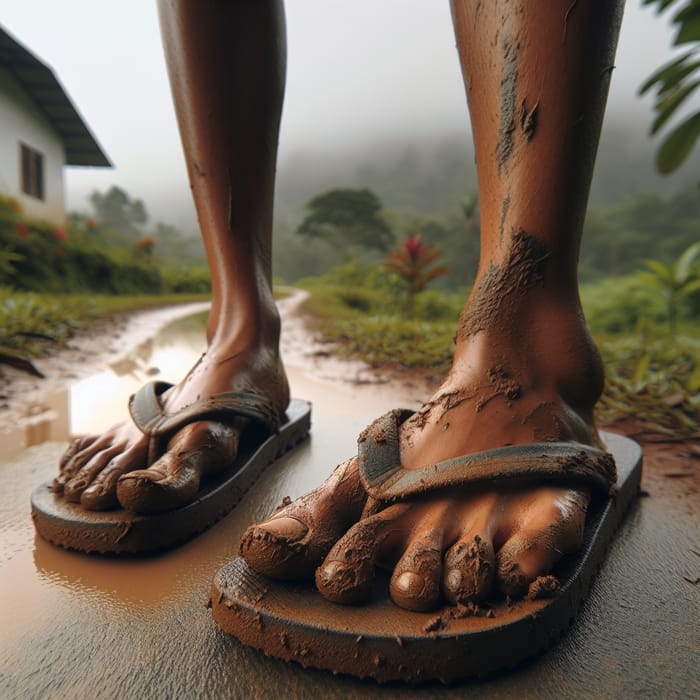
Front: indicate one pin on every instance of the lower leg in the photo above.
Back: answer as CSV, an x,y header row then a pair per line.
x,y
525,368
226,62
536,76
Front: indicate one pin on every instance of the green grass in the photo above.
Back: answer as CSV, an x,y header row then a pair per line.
x,y
650,374
30,323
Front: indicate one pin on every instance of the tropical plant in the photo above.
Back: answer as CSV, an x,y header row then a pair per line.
x,y
675,281
413,262
675,82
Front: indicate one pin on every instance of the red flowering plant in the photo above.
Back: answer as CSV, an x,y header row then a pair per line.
x,y
60,234
146,246
413,261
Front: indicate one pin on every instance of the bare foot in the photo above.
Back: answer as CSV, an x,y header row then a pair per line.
x,y
533,378
459,546
104,471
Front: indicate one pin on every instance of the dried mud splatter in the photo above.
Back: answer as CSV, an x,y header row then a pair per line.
x,y
500,284
509,89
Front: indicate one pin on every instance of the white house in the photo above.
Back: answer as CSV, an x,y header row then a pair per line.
x,y
40,132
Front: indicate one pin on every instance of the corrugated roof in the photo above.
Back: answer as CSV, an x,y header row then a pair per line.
x,y
45,89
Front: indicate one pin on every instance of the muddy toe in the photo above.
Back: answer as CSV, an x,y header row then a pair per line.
x,y
347,573
167,485
469,570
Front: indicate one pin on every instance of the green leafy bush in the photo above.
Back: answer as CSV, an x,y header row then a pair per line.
x,y
38,256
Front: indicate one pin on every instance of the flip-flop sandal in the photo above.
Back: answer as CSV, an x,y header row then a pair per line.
x,y
120,531
382,641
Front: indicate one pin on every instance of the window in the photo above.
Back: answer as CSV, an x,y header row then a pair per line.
x,y
32,171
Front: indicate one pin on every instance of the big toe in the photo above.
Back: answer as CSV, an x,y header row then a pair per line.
x,y
174,479
280,548
295,540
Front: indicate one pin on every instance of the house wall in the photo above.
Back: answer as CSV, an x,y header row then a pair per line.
x,y
22,121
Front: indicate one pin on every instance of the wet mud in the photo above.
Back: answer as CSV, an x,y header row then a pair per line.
x,y
79,626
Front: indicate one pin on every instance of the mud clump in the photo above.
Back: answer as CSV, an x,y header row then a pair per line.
x,y
543,587
457,612
470,571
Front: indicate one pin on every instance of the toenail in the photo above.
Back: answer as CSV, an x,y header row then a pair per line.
x,y
410,584
331,570
288,528
454,579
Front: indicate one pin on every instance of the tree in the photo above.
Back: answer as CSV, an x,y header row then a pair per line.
x,y
675,280
119,214
347,218
675,82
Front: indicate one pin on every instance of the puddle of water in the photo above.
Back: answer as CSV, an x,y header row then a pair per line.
x,y
49,420
98,401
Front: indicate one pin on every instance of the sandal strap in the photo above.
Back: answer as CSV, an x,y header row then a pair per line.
x,y
147,411
385,479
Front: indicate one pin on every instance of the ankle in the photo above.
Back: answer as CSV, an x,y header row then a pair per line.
x,y
543,346
247,326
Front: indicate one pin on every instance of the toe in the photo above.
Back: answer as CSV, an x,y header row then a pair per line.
x,y
173,480
78,454
415,581
469,569
74,488
296,539
76,446
552,527
102,493
279,548
523,558
347,573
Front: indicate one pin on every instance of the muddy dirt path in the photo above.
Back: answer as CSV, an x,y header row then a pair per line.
x,y
75,626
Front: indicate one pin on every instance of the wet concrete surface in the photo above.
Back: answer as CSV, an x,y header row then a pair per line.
x,y
74,626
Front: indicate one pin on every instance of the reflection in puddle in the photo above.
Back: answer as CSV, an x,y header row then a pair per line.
x,y
93,404
100,401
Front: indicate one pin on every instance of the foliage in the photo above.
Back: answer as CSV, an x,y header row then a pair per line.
x,y
649,373
38,256
618,239
360,306
675,281
656,380
347,217
30,323
121,218
413,261
675,82
622,304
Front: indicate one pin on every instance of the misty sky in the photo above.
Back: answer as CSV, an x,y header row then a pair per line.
x,y
358,71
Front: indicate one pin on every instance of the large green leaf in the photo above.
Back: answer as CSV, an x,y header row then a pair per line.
x,y
678,144
662,4
666,75
671,103
689,31
690,288
687,260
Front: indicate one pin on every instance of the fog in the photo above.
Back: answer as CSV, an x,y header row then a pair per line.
x,y
365,81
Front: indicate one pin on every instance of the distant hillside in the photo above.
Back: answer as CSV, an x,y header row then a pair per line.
x,y
429,178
